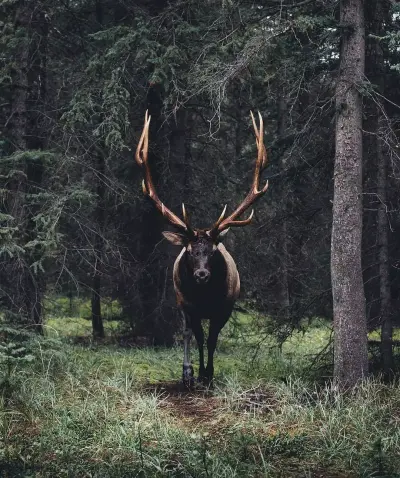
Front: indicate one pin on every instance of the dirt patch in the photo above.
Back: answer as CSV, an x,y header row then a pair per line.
x,y
196,408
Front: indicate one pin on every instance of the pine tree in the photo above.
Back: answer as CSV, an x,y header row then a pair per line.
x,y
351,359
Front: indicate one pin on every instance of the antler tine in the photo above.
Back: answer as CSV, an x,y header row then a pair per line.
x,y
258,134
184,214
243,222
186,220
142,154
255,192
219,220
148,188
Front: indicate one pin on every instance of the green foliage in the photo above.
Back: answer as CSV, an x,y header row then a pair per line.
x,y
13,354
40,240
22,158
8,241
18,349
115,104
308,22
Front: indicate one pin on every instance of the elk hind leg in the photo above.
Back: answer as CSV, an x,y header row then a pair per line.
x,y
216,325
215,329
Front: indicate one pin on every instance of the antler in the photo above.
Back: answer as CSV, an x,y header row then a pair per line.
x,y
255,193
148,188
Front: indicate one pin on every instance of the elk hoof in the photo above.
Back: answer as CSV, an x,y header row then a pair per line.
x,y
203,379
187,376
189,384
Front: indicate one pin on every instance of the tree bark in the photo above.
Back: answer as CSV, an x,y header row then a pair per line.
x,y
350,343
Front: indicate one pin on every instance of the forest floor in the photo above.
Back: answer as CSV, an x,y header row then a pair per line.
x,y
79,409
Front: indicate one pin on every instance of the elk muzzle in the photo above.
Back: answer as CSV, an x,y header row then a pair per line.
x,y
201,276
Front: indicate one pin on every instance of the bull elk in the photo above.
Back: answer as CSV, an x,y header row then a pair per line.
x,y
205,276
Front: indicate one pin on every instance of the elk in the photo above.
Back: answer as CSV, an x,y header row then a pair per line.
x,y
205,277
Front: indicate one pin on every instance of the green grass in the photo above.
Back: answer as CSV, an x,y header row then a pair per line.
x,y
76,327
104,411
80,307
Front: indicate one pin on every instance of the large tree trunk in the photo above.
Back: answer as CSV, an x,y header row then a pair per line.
x,y
351,358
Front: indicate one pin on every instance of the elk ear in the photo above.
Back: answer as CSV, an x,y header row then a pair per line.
x,y
222,234
175,238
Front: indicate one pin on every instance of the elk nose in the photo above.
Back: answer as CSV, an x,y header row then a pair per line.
x,y
202,275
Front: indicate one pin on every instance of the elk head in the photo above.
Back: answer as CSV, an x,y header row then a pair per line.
x,y
201,244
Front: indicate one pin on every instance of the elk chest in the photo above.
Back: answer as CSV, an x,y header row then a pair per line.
x,y
210,298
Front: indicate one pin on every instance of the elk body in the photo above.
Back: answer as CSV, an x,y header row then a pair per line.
x,y
205,276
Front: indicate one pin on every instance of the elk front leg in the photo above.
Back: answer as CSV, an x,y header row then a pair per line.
x,y
199,335
187,375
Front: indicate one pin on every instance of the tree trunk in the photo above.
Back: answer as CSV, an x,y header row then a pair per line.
x,y
18,129
35,283
97,320
351,358
98,242
284,276
99,217
376,14
383,256
26,125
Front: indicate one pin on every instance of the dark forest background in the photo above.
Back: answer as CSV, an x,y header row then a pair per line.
x,y
76,79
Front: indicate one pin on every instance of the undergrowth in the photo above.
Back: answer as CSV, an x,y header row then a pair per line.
x,y
103,411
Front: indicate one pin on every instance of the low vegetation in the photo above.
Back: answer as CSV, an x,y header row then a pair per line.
x,y
93,410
